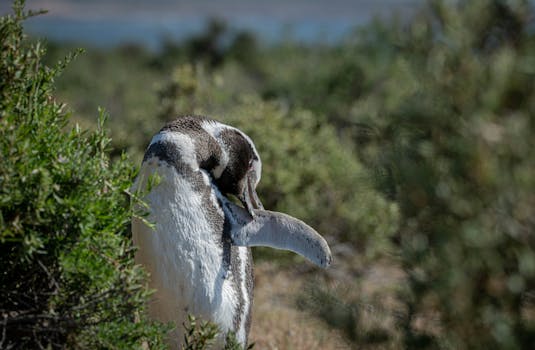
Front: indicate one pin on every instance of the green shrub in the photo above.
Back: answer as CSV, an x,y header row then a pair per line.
x,y
68,277
200,335
454,115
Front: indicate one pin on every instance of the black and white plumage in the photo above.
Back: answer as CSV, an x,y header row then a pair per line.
x,y
197,251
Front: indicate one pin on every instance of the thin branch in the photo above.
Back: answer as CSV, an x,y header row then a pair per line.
x,y
4,328
52,279
37,340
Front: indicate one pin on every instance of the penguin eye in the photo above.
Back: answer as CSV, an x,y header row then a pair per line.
x,y
250,164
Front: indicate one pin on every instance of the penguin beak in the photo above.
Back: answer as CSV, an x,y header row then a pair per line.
x,y
249,198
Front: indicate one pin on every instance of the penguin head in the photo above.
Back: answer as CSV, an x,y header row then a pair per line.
x,y
243,169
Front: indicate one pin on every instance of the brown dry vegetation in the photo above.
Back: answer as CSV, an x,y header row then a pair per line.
x,y
279,322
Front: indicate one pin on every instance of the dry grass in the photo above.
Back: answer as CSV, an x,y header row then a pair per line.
x,y
277,323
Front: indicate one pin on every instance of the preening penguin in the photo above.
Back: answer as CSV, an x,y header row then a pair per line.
x,y
197,251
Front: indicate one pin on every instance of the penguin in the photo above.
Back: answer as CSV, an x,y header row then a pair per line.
x,y
195,242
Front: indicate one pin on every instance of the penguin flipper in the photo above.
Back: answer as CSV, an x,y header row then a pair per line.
x,y
276,230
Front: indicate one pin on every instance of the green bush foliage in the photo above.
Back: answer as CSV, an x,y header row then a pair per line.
x,y
454,117
67,274
201,335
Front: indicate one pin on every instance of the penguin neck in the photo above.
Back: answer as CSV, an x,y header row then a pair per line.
x,y
213,130
209,155
196,147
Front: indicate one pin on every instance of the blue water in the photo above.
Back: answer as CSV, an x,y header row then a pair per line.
x,y
116,22
108,33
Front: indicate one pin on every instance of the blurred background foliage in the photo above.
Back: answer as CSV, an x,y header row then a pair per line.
x,y
409,145
454,119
